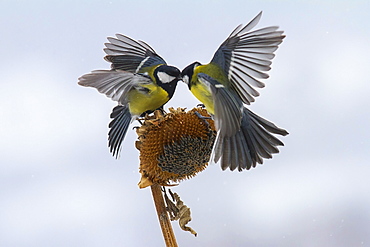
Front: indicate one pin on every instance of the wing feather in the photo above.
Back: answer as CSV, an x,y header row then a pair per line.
x,y
114,84
227,107
130,55
245,56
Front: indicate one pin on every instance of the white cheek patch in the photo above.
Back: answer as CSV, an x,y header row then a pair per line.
x,y
165,78
186,79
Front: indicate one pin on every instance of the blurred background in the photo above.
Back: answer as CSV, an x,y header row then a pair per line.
x,y
60,186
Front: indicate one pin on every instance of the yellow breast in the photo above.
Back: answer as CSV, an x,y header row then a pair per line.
x,y
140,102
201,92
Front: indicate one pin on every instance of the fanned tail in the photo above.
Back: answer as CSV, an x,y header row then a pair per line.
x,y
118,128
252,143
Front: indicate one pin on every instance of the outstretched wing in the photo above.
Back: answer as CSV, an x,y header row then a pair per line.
x,y
246,56
230,145
130,55
227,108
243,138
114,84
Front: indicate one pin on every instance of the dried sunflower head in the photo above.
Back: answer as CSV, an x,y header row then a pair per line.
x,y
174,146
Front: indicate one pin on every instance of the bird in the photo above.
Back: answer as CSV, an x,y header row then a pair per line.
x,y
139,80
227,84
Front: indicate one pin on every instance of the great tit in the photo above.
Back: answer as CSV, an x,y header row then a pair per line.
x,y
228,81
139,80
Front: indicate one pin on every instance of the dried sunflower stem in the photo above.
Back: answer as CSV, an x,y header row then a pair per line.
x,y
164,220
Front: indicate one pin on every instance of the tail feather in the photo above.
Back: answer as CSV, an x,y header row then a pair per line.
x,y
247,159
260,149
234,159
118,128
252,143
226,153
267,140
269,126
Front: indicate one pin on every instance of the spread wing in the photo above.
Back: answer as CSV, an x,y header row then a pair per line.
x,y
243,138
246,55
227,108
114,84
130,55
229,144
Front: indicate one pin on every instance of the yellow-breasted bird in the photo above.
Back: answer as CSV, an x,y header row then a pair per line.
x,y
228,81
139,80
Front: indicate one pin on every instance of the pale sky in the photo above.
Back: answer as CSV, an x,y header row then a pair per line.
x,y
60,186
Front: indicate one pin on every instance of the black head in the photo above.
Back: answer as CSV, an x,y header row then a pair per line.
x,y
167,77
188,72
